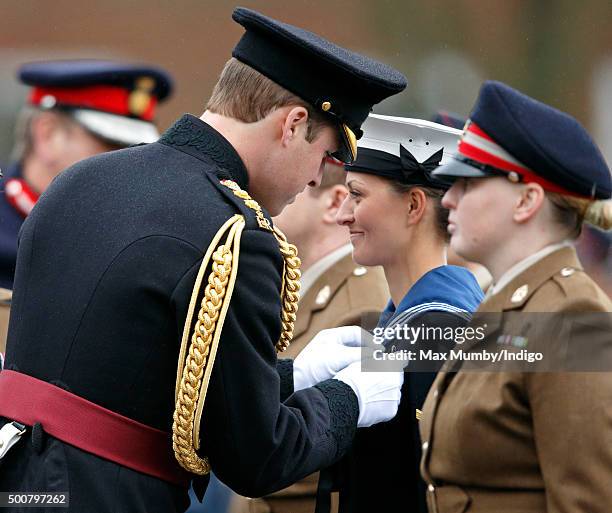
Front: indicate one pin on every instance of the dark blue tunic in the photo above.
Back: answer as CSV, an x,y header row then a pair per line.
x,y
10,223
381,471
106,267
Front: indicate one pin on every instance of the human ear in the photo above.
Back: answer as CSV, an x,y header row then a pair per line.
x,y
333,197
295,124
416,205
528,203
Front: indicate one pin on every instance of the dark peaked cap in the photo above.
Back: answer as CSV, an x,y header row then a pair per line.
x,y
342,84
115,101
87,72
543,145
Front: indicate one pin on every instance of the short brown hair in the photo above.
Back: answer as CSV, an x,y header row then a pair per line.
x,y
245,94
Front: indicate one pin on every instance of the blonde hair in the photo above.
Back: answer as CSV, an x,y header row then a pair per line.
x,y
245,94
572,212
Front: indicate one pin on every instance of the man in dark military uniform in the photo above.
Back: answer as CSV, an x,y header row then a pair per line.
x,y
138,258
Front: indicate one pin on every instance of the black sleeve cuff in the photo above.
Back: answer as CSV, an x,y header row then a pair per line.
x,y
343,411
284,368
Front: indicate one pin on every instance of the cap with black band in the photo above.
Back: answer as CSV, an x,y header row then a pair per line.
x,y
404,149
342,84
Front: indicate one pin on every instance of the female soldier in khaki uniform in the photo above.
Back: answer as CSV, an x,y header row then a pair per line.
x,y
525,441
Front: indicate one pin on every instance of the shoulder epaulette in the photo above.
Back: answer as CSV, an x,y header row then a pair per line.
x,y
250,203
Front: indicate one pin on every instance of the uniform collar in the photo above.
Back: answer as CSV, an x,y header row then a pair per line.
x,y
311,275
322,291
193,136
17,191
447,284
519,267
523,285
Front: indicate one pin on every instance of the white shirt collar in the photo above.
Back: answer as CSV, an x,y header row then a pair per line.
x,y
524,264
313,273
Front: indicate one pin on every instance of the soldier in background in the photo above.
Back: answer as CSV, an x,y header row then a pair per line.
x,y
75,109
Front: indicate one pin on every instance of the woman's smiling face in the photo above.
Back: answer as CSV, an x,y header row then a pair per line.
x,y
375,215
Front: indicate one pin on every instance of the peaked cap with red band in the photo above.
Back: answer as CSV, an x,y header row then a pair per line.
x,y
113,100
510,134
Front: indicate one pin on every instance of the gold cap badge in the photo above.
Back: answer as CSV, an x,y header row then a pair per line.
x,y
140,98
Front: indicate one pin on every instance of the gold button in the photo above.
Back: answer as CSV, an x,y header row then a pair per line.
x,y
567,271
520,294
325,106
431,488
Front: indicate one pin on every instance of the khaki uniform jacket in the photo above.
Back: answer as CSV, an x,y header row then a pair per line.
x,y
527,442
341,296
5,310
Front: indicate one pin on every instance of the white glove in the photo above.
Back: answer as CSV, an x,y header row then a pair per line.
x,y
327,353
378,393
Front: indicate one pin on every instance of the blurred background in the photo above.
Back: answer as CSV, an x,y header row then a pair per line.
x,y
559,51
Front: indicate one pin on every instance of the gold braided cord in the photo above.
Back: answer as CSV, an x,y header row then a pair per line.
x,y
290,290
217,332
194,299
195,375
197,358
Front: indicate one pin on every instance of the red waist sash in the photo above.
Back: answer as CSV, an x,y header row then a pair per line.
x,y
89,427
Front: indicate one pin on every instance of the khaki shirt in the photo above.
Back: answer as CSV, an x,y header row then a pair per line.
x,y
524,441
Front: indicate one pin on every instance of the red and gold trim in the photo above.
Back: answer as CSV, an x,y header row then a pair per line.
x,y
477,145
139,103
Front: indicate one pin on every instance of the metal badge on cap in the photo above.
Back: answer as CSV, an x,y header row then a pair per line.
x,y
115,101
